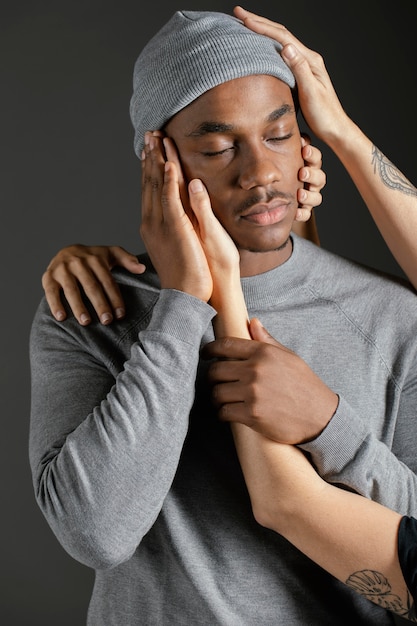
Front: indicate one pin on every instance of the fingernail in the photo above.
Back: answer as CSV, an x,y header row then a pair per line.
x,y
59,315
303,194
119,312
196,185
106,318
84,319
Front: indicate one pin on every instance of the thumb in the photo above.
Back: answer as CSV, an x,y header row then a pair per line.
x,y
259,333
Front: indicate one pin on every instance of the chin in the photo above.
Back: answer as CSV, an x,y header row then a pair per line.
x,y
265,249
271,240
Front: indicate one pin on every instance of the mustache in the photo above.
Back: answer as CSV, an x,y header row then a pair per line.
x,y
262,198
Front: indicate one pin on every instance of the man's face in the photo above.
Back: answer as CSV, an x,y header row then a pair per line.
x,y
242,140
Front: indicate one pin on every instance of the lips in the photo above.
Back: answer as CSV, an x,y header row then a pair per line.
x,y
267,214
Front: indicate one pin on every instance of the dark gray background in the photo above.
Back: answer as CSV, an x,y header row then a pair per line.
x,y
69,175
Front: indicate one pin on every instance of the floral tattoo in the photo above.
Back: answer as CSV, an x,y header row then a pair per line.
x,y
375,587
390,175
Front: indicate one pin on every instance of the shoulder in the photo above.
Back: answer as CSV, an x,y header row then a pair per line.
x,y
378,303
336,277
140,294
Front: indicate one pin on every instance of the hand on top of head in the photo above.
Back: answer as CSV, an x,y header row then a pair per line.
x,y
319,103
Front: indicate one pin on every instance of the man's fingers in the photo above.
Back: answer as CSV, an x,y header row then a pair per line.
x,y
172,208
97,283
153,162
123,258
172,156
53,297
229,348
103,292
70,288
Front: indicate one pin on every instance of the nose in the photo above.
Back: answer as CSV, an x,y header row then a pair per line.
x,y
258,167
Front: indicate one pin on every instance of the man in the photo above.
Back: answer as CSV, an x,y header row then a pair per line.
x,y
132,469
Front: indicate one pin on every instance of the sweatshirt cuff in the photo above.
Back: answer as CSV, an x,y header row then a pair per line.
x,y
337,446
181,315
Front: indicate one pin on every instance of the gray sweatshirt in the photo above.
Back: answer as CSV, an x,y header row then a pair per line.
x,y
139,480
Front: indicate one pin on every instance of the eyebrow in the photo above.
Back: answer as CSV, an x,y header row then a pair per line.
x,y
207,128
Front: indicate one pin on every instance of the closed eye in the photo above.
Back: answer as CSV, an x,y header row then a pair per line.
x,y
282,138
217,153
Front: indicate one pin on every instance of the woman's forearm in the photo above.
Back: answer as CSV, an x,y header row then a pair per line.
x,y
352,538
390,197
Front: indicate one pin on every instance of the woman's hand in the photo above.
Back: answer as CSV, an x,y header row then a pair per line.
x,y
314,179
319,103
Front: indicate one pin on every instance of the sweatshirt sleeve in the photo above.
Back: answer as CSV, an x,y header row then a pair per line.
x,y
349,453
104,447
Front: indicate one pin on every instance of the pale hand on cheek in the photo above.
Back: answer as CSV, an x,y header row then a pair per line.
x,y
221,253
313,177
309,196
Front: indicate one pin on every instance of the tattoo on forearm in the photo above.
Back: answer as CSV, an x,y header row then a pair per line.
x,y
390,175
375,587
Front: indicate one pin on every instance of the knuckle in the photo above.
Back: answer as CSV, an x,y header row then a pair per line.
x,y
224,412
155,184
70,289
318,58
46,279
318,199
216,394
226,343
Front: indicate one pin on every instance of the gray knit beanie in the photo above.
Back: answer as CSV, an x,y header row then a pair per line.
x,y
192,53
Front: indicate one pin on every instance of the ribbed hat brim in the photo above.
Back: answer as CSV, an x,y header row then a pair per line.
x,y
194,52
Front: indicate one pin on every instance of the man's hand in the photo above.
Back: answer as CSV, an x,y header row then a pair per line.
x,y
166,229
88,267
264,385
319,103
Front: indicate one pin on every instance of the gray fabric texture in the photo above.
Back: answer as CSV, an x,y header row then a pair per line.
x,y
192,53
139,480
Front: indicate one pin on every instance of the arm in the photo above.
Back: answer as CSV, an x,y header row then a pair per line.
x,y
348,535
389,196
351,537
109,414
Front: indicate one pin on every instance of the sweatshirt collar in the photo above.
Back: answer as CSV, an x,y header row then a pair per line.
x,y
278,284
